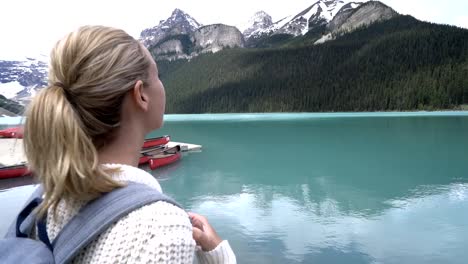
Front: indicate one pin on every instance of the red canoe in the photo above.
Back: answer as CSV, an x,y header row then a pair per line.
x,y
14,171
153,142
158,162
160,153
12,132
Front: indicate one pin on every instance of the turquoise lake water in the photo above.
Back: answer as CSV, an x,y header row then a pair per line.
x,y
321,188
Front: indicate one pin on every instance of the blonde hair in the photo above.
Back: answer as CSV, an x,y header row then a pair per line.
x,y
90,72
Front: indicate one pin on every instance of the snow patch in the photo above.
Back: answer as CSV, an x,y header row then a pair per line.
x,y
327,11
10,89
324,39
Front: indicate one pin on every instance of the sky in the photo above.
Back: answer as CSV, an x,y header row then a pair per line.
x,y
31,27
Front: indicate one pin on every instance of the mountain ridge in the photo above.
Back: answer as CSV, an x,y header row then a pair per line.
x,y
319,13
324,18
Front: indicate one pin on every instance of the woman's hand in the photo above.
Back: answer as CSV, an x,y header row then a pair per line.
x,y
203,233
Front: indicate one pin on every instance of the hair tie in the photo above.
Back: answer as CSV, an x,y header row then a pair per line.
x,y
65,92
59,84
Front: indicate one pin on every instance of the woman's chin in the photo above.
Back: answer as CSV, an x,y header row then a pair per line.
x,y
158,125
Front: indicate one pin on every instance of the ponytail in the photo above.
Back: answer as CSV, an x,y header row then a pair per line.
x,y
59,151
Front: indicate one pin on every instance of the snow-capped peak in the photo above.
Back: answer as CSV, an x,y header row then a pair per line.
x,y
318,14
332,7
178,15
259,21
260,17
178,23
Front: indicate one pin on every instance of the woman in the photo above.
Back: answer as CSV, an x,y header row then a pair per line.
x,y
82,138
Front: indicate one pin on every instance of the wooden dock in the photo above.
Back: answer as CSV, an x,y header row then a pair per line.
x,y
11,150
185,147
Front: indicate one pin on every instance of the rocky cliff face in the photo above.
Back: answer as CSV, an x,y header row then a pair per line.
x,y
169,50
173,47
211,38
214,38
341,17
366,14
170,46
349,19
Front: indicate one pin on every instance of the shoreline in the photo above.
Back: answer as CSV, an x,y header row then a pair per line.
x,y
15,121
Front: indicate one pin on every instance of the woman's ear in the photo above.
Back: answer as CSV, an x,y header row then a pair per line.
x,y
140,97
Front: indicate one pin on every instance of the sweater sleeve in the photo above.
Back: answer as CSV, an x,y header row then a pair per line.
x,y
156,233
222,254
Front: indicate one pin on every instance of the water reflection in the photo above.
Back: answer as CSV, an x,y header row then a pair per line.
x,y
364,190
420,229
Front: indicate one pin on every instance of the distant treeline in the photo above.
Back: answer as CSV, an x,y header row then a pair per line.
x,y
399,64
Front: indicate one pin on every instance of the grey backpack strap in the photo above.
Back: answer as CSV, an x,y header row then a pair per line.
x,y
30,221
99,214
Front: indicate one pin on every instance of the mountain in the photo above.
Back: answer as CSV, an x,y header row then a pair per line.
x,y
19,80
318,14
178,23
396,64
260,22
345,17
349,19
182,37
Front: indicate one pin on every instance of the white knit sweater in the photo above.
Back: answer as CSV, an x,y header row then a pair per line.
x,y
156,233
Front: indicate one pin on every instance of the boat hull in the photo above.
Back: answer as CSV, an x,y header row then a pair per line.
x,y
13,132
155,163
13,172
153,142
